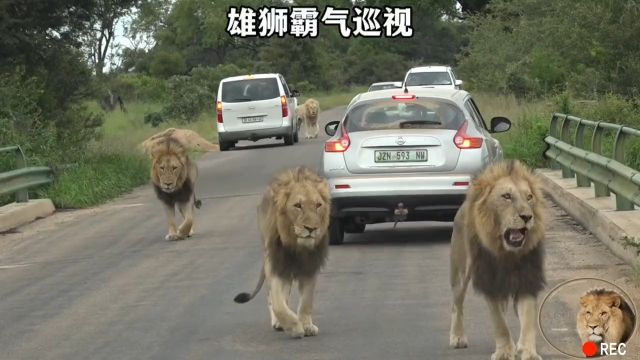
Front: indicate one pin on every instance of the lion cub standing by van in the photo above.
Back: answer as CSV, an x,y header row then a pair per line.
x,y
293,218
497,242
174,175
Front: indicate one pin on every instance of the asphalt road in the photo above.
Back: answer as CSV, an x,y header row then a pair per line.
x,y
104,284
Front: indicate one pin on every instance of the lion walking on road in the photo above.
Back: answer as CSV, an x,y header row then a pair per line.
x,y
497,243
174,175
307,113
293,218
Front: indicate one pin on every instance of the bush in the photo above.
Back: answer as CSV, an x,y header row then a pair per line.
x,y
186,99
154,119
60,135
139,87
165,64
525,141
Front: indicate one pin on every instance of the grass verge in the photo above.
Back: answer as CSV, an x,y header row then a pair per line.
x,y
330,100
96,179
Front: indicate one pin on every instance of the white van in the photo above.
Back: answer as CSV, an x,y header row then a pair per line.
x,y
432,76
254,107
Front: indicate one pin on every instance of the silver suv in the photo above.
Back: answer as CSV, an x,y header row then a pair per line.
x,y
254,107
405,156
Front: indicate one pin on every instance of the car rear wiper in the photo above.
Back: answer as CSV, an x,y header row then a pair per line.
x,y
242,99
420,122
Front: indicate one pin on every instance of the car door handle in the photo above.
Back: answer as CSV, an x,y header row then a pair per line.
x,y
252,107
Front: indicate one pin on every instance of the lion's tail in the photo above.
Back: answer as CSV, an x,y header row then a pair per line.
x,y
245,297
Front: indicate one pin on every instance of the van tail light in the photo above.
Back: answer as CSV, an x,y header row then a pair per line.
x,y
285,107
463,141
405,97
219,111
339,145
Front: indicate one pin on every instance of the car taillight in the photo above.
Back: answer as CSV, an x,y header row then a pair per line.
x,y
285,108
219,111
463,141
340,145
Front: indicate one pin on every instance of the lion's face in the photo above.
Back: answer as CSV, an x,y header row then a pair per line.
x,y
169,172
513,200
598,313
312,108
308,212
507,208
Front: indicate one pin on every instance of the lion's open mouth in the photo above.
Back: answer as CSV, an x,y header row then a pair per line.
x,y
515,237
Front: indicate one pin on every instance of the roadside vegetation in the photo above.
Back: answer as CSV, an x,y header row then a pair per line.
x,y
58,102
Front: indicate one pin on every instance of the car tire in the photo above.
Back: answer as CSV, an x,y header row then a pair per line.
x,y
336,231
354,228
224,145
288,139
295,136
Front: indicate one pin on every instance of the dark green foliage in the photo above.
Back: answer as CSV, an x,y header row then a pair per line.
x,y
535,48
154,119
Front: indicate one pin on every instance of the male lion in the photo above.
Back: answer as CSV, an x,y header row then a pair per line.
x,y
497,242
308,113
604,317
293,218
174,175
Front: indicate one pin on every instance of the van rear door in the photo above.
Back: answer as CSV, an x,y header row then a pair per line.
x,y
251,104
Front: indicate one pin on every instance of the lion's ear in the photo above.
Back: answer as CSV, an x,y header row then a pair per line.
x,y
614,300
583,300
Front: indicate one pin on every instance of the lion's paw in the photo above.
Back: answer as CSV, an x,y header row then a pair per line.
x,y
297,331
458,342
310,330
173,237
277,327
526,354
504,354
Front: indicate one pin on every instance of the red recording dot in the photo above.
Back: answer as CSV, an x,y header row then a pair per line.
x,y
589,349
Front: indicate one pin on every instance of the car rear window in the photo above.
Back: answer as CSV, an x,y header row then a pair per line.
x,y
428,78
381,87
416,114
250,90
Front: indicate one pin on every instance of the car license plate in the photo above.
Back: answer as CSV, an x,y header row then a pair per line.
x,y
252,119
400,155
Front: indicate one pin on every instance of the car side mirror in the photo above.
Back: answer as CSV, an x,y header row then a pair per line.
x,y
459,83
295,93
500,124
331,128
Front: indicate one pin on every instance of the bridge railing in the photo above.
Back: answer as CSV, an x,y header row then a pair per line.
x,y
20,180
584,158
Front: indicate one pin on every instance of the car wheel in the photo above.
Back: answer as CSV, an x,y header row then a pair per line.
x,y
336,231
354,228
288,139
224,145
295,136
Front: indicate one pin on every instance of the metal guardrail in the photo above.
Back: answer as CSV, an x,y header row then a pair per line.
x,y
20,180
590,164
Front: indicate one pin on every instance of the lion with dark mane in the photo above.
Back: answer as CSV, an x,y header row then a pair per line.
x,y
174,175
293,218
497,242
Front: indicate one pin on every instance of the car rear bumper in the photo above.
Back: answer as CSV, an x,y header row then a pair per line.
x,y
381,208
436,197
255,134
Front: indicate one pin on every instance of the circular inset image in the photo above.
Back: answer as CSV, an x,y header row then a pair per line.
x,y
587,318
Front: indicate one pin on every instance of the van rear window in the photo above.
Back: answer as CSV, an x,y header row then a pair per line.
x,y
250,90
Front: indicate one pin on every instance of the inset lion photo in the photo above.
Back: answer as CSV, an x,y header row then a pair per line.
x,y
589,317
